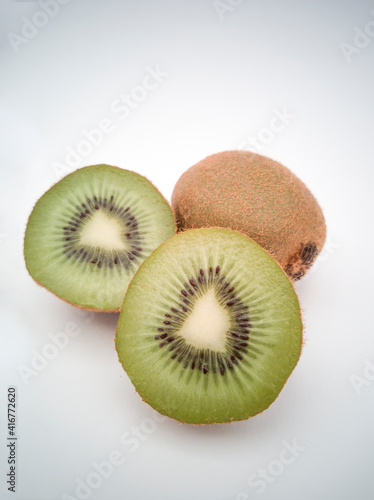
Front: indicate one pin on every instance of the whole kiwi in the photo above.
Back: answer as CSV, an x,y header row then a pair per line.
x,y
257,196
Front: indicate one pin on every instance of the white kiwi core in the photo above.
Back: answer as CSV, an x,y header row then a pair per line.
x,y
104,232
207,325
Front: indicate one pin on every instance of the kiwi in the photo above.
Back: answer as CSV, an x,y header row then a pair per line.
x,y
257,196
210,328
89,233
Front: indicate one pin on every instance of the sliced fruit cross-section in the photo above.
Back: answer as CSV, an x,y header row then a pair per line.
x,y
210,328
89,233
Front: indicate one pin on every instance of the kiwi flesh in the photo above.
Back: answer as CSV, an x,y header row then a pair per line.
x,y
88,234
257,196
210,328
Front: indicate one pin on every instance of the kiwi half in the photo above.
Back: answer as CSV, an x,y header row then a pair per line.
x,y
257,196
210,328
89,233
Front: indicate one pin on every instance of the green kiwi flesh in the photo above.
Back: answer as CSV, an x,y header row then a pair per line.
x,y
88,234
210,328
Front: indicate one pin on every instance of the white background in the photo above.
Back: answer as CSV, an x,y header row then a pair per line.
x,y
226,74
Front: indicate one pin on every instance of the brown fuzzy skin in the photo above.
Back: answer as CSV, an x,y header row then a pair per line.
x,y
257,196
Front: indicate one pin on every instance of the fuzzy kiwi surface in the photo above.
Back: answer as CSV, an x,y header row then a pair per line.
x,y
257,196
210,328
88,234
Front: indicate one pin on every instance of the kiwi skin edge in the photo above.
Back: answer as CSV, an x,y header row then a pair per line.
x,y
303,342
79,306
90,309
